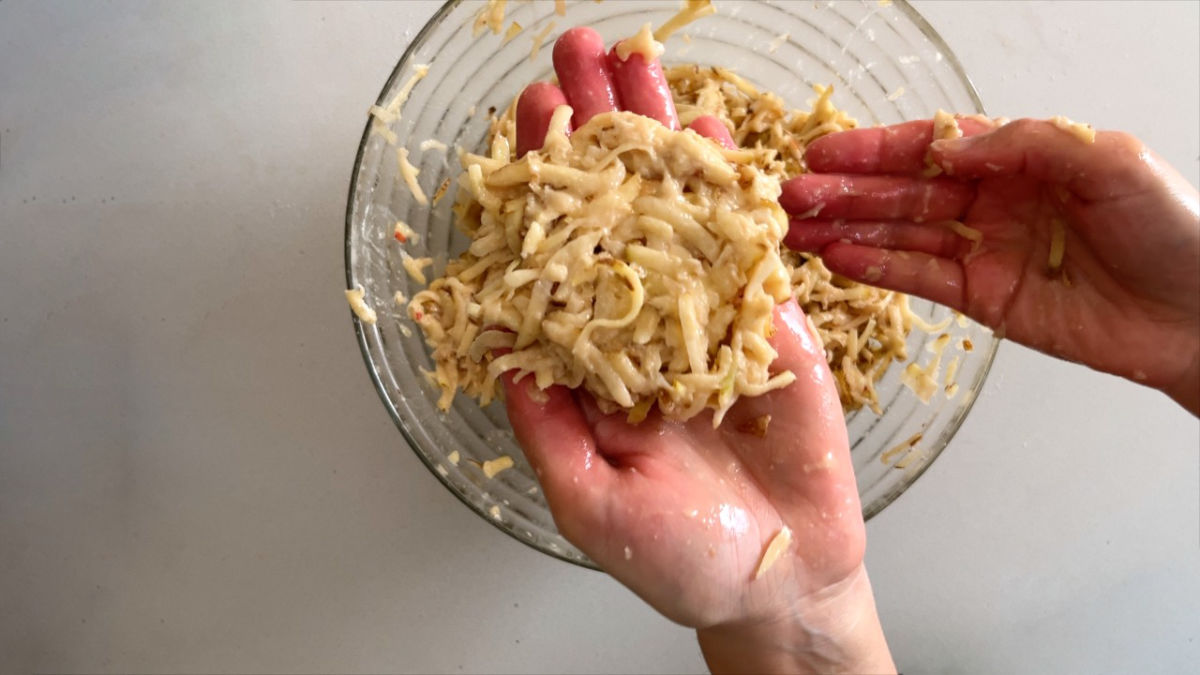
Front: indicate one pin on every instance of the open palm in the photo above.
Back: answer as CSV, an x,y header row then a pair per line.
x,y
681,513
1125,296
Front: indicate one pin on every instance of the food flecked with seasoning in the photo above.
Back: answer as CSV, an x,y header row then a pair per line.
x,y
638,255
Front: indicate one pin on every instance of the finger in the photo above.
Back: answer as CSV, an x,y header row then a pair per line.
x,y
934,239
534,109
581,63
642,88
1025,145
876,197
713,128
556,440
896,149
1110,167
927,276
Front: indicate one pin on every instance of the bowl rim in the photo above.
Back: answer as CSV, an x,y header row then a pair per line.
x,y
952,425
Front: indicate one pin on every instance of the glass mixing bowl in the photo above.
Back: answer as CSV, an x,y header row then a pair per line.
x,y
887,65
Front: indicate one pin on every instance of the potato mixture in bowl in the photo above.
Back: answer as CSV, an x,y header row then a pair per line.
x,y
642,263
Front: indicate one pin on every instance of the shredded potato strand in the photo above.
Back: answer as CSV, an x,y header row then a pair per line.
x,y
606,278
864,329
692,10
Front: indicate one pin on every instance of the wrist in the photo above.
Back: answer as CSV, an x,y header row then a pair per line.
x,y
837,630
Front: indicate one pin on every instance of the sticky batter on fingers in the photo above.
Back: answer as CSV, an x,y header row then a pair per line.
x,y
639,78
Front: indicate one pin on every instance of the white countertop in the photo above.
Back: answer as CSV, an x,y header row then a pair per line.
x,y
197,476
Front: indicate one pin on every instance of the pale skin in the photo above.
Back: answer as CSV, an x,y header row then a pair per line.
x,y
681,513
1126,299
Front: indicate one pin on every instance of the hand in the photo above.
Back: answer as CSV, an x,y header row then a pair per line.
x,y
1126,299
681,513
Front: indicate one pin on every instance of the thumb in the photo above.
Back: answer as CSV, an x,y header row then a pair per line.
x,y
800,351
810,405
559,445
805,452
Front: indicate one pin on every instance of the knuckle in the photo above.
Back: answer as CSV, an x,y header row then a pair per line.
x,y
1026,127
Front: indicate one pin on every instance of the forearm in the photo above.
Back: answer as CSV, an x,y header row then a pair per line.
x,y
839,633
